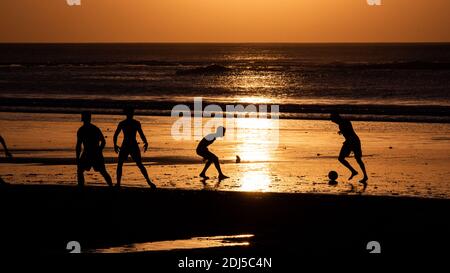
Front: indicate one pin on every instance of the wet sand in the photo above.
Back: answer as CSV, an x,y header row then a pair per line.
x,y
403,159
287,227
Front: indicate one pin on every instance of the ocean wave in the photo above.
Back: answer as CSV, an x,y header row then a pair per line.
x,y
90,64
293,66
412,65
219,67
204,70
369,112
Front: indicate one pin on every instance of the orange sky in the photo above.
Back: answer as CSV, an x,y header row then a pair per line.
x,y
224,21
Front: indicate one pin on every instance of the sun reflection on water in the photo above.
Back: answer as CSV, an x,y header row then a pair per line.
x,y
255,81
254,99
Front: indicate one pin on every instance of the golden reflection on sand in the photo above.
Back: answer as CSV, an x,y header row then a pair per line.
x,y
193,243
257,142
255,181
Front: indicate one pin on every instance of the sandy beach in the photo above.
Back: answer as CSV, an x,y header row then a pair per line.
x,y
277,204
286,227
402,158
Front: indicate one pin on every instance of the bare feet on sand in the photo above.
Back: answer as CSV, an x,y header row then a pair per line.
x,y
364,182
222,177
353,174
202,175
152,186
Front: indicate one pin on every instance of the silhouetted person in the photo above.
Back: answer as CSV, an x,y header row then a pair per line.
x,y
7,154
130,146
90,137
351,144
202,150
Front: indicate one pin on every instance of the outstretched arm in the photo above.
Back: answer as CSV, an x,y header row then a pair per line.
x,y
144,139
116,134
7,153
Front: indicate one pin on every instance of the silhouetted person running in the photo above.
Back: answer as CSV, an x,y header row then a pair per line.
x,y
7,154
351,144
130,146
202,150
91,138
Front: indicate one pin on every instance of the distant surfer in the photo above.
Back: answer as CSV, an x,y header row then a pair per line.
x,y
7,154
130,127
351,144
202,150
91,138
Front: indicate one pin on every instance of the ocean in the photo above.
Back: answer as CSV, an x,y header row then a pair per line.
x,y
363,79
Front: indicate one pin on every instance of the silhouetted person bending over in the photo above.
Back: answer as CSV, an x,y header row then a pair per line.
x,y
130,146
7,154
91,138
202,150
351,144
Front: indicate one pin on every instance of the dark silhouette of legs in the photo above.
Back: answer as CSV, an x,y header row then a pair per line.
x,y
98,166
217,165
345,152
136,155
145,174
203,173
347,164
363,168
104,173
212,158
80,176
107,177
119,171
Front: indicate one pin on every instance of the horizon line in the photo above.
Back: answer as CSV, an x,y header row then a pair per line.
x,y
200,42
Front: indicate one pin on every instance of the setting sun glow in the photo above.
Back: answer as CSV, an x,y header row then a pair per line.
x,y
224,21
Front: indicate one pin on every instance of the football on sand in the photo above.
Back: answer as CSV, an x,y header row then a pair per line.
x,y
332,175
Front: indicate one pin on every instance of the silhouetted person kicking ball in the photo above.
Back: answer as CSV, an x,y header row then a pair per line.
x,y
351,144
202,150
7,154
91,138
130,146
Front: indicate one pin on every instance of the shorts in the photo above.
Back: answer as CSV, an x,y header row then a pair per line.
x,y
88,161
207,155
351,146
132,150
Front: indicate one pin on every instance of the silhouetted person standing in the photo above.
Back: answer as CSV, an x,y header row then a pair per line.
x,y
351,144
202,150
90,137
7,154
130,146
